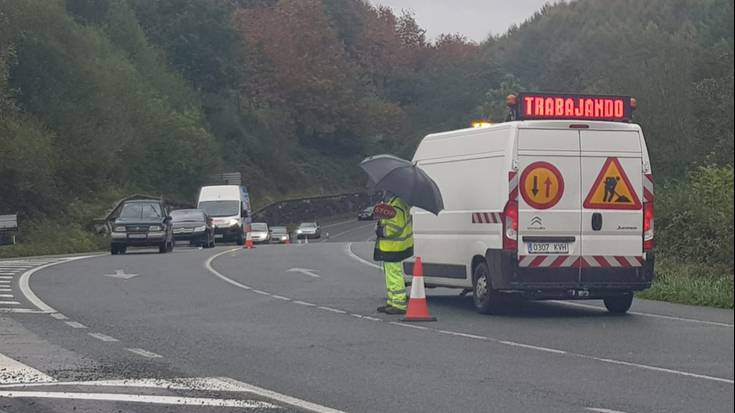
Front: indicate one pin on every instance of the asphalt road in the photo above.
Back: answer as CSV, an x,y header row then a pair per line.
x,y
146,332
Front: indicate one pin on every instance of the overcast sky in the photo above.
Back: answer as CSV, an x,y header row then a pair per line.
x,y
475,19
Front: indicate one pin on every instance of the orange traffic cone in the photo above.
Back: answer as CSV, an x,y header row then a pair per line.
x,y
248,241
418,309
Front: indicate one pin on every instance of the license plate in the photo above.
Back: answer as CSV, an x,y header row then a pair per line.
x,y
218,236
548,248
137,236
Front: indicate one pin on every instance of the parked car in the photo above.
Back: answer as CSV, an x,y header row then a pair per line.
x,y
142,223
193,225
279,235
259,232
308,230
366,214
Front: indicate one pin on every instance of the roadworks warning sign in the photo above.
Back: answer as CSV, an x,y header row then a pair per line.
x,y
612,189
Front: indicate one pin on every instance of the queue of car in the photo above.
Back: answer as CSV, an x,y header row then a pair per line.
x,y
150,223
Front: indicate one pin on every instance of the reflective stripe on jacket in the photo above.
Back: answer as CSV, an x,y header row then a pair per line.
x,y
395,242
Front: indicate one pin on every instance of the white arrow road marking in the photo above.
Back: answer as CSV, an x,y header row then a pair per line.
x,y
310,273
121,274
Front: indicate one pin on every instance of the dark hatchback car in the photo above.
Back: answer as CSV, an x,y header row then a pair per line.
x,y
142,223
193,225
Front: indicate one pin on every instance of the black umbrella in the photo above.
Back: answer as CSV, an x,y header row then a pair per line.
x,y
404,179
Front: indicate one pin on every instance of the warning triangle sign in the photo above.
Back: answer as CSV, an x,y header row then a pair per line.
x,y
612,189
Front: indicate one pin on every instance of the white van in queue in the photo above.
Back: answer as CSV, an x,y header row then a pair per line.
x,y
556,203
229,208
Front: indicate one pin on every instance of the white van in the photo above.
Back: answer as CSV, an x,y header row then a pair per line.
x,y
541,207
229,208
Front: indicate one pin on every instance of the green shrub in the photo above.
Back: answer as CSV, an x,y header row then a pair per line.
x,y
694,218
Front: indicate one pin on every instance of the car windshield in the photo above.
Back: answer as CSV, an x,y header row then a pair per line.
x,y
259,227
279,230
187,215
141,210
220,208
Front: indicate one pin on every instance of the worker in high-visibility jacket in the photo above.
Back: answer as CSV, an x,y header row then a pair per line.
x,y
394,243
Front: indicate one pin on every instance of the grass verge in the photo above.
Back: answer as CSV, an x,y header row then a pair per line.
x,y
693,284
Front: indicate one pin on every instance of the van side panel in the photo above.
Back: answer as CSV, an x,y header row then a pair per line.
x,y
471,171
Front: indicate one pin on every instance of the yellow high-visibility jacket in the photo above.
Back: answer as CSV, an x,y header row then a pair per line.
x,y
394,242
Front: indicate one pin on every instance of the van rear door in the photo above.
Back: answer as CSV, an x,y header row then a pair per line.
x,y
549,205
612,216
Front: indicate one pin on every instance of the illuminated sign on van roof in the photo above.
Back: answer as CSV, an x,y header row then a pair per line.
x,y
535,106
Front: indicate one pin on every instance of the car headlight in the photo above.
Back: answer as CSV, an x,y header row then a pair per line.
x,y
200,229
155,228
120,228
298,231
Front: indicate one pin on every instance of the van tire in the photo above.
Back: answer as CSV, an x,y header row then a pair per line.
x,y
484,298
619,304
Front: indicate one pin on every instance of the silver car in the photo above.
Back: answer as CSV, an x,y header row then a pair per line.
x,y
259,232
308,230
279,235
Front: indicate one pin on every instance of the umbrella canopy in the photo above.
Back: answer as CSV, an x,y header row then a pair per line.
x,y
406,180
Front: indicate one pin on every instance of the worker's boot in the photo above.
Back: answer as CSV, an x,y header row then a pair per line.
x,y
393,310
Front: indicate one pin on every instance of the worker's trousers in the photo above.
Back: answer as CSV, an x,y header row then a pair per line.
x,y
395,285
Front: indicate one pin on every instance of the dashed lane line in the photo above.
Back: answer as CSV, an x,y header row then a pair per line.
x,y
74,324
601,410
208,266
144,353
59,316
653,315
103,337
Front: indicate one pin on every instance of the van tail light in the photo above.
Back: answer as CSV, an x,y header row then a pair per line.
x,y
510,226
648,226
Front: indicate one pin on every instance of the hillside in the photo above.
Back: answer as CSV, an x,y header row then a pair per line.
x,y
103,97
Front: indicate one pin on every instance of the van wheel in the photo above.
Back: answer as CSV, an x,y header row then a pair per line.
x,y
483,295
619,304
163,248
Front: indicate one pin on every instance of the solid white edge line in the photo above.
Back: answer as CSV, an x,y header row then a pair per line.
x,y
140,398
653,315
25,287
601,410
282,398
348,249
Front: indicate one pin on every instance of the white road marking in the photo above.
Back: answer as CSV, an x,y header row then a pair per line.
x,y
665,317
139,398
396,323
528,346
367,317
121,274
59,316
6,277
601,410
20,310
25,288
103,337
348,249
306,271
144,353
4,281
6,295
291,401
280,297
454,333
7,274
9,303
5,290
334,310
74,324
261,292
299,302
15,372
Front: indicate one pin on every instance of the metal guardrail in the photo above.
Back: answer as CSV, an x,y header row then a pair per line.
x,y
293,211
8,228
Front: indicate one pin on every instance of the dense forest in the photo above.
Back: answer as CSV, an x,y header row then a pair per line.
x,y
104,97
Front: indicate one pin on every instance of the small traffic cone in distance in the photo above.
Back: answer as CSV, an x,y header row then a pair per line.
x,y
418,308
248,241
